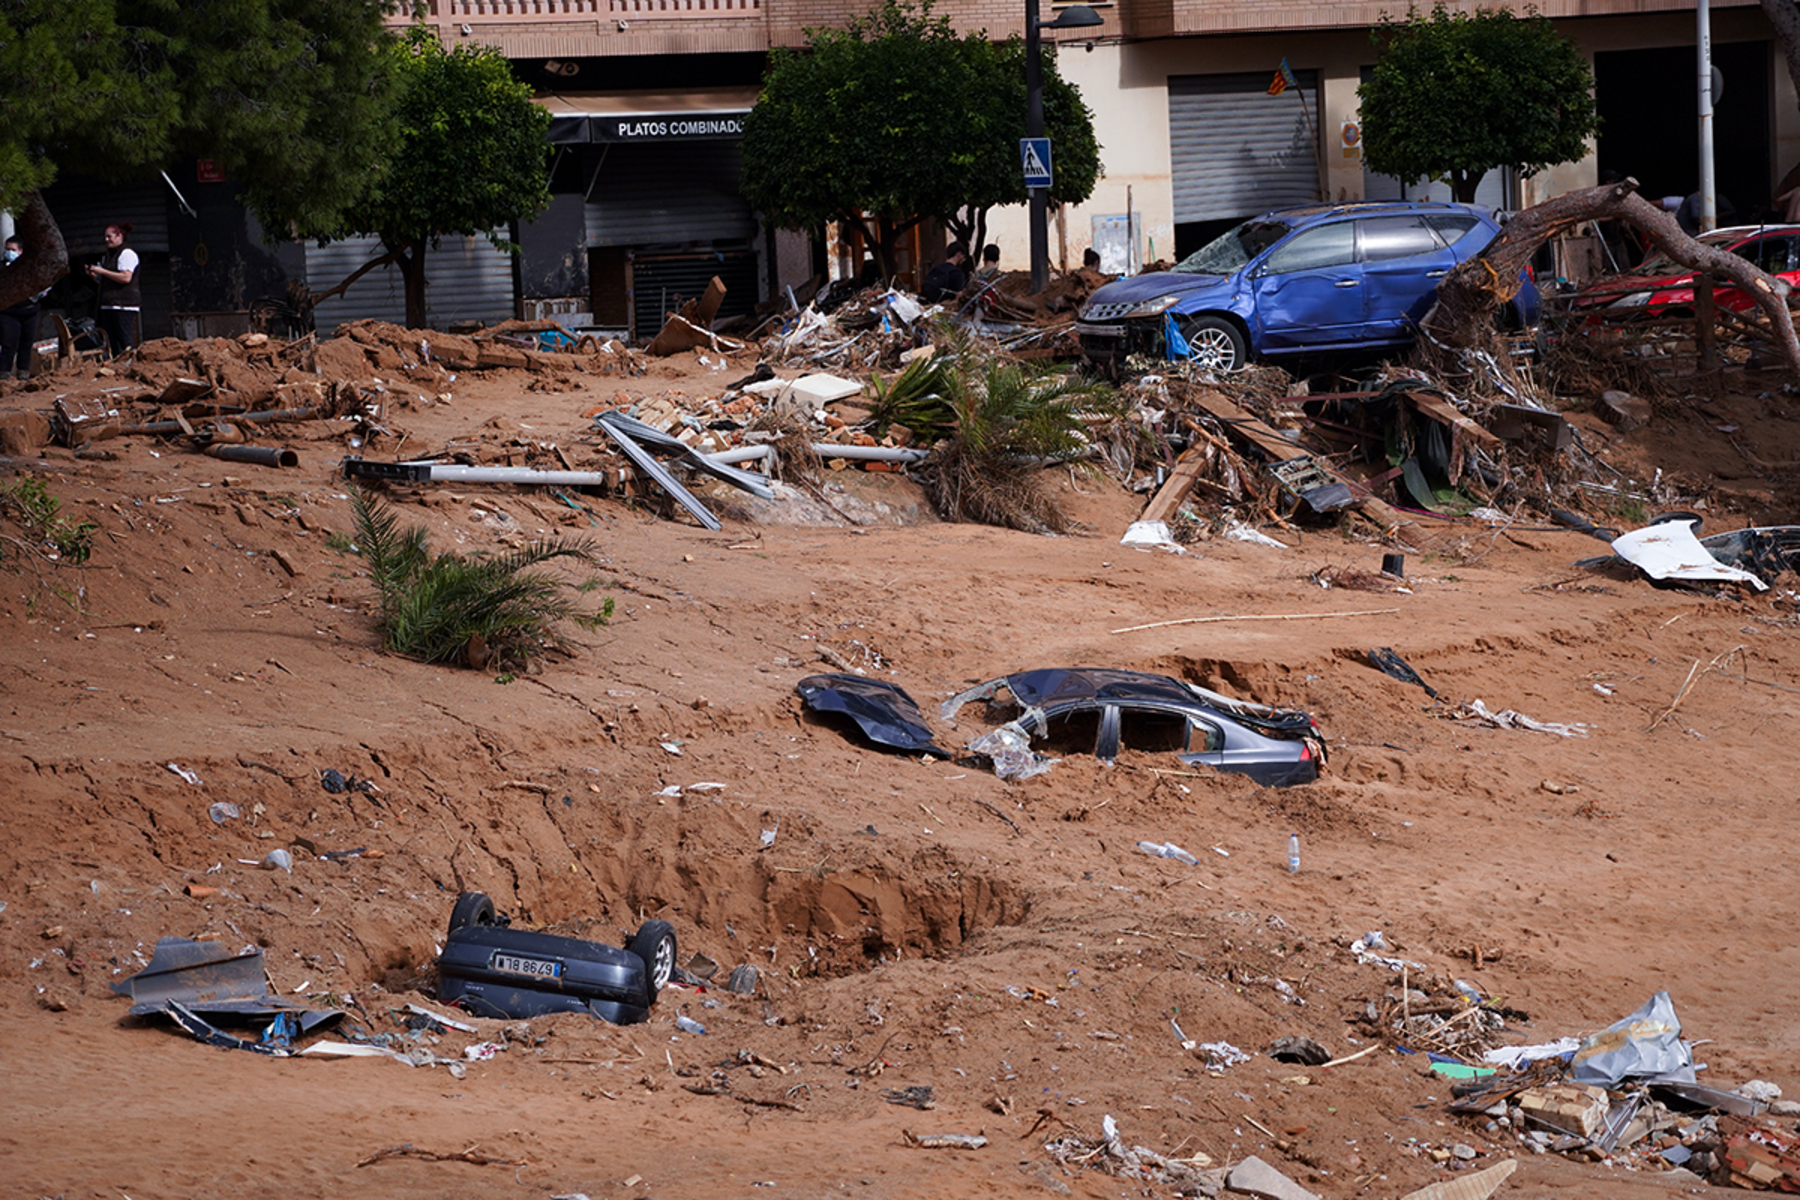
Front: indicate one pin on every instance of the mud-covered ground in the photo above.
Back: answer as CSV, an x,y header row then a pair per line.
x,y
915,923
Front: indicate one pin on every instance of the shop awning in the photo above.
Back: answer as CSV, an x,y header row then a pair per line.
x,y
693,115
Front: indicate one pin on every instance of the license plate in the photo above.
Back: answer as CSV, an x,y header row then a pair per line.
x,y
541,968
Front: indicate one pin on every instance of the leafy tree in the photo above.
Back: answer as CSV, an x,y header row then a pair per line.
x,y
473,156
1454,95
893,119
289,96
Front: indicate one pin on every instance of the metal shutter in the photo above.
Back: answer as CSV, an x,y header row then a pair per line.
x,y
1236,151
466,279
659,282
669,194
84,209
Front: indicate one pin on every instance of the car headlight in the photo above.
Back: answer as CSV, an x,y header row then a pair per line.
x,y
1633,300
1151,308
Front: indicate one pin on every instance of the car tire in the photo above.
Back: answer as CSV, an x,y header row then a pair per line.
x,y
472,908
1214,344
654,945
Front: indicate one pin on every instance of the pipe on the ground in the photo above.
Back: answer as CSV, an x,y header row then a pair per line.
x,y
262,456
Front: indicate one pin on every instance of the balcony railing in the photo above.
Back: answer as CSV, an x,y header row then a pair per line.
x,y
451,11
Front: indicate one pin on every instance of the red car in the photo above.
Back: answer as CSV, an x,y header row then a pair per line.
x,y
1659,282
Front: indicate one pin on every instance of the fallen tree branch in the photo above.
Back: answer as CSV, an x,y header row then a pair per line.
x,y
1470,296
471,1155
1367,612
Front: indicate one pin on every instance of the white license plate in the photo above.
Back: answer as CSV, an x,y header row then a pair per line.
x,y
542,968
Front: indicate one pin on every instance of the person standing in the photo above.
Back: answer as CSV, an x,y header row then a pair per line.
x,y
18,324
990,264
121,299
949,277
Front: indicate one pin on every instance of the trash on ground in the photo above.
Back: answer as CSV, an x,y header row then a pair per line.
x,y
1168,850
944,1141
1383,659
1646,1045
1300,1050
1506,718
918,1097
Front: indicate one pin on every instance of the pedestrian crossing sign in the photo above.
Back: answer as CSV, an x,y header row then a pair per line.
x,y
1034,156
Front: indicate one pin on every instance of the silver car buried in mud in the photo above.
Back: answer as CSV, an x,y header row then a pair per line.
x,y
1102,711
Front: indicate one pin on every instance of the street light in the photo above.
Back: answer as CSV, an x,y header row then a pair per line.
x,y
1077,16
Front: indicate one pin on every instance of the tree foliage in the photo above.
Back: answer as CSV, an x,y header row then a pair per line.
x,y
473,156
1454,95
289,96
896,118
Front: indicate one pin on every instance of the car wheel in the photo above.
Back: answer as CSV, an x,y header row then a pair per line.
x,y
1214,344
654,945
472,908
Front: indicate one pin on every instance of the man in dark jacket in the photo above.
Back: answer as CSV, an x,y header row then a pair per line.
x,y
949,277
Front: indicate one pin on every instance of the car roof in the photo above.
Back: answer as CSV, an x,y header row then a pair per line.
x,y
1365,207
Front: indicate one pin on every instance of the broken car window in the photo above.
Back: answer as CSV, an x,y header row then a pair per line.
x,y
1073,733
1385,238
1148,729
1233,249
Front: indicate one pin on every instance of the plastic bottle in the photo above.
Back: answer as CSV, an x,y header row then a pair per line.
x,y
1168,850
1293,854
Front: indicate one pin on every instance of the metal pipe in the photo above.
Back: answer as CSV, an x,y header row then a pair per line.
x,y
1038,198
1709,204
253,418
893,454
739,454
262,456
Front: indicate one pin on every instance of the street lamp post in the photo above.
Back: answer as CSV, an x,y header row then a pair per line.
x,y
1077,16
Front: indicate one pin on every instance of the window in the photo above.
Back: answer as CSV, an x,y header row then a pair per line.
x,y
1452,227
1147,729
1073,733
1386,238
1204,737
1774,254
1321,246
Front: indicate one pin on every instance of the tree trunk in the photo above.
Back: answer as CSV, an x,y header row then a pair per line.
x,y
46,258
410,258
1463,186
1784,15
1469,298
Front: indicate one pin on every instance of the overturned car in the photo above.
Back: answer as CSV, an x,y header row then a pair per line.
x,y
1102,711
492,970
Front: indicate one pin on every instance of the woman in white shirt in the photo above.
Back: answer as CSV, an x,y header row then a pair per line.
x,y
121,300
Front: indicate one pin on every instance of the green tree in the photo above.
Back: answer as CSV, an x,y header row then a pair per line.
x,y
893,119
1454,95
290,96
474,156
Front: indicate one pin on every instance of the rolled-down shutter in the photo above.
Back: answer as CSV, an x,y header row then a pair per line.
x,y
1236,151
669,194
466,279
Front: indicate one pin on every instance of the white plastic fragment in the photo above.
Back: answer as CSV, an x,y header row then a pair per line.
x,y
1243,533
1669,550
187,775
1151,535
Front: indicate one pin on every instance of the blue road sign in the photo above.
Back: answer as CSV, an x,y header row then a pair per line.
x,y
1034,156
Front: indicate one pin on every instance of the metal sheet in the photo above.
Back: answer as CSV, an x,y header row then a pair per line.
x,y
1235,150
660,473
467,280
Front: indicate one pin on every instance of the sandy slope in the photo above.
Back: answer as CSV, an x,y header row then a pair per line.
x,y
907,933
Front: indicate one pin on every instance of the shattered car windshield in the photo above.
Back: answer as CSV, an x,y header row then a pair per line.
x,y
1661,264
1231,250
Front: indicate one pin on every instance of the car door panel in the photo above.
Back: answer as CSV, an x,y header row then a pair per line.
x,y
1308,290
1402,261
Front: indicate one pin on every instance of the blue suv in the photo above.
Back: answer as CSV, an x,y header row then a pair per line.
x,y
1325,278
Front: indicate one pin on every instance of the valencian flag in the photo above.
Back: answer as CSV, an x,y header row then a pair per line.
x,y
1284,79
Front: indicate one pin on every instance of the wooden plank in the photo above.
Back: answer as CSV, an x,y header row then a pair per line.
x,y
1180,482
1246,425
1440,411
710,299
